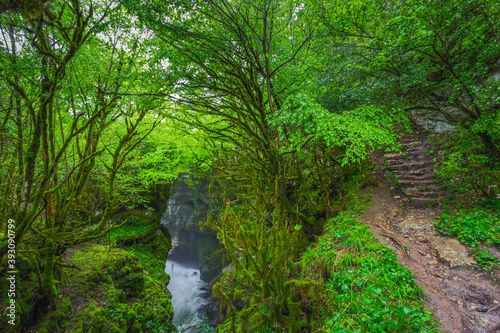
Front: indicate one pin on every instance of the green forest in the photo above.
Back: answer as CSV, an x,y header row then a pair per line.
x,y
288,107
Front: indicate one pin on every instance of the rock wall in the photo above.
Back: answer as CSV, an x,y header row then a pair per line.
x,y
441,114
188,204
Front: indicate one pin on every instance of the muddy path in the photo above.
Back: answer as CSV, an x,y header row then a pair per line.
x,y
461,297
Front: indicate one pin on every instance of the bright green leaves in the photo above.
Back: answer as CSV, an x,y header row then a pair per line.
x,y
490,124
473,228
301,120
440,52
367,289
476,228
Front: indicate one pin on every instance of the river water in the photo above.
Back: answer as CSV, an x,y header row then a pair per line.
x,y
189,262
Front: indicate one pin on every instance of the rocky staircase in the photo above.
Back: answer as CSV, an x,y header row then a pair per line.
x,y
412,170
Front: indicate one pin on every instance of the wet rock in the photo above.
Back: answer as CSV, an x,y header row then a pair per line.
x,y
451,252
412,224
421,237
433,121
483,309
479,296
188,204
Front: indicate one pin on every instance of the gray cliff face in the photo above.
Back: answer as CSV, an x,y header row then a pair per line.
x,y
188,205
442,116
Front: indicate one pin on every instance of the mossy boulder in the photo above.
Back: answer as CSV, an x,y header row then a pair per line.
x,y
143,229
117,285
113,293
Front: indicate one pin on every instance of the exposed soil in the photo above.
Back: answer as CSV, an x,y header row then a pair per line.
x,y
461,297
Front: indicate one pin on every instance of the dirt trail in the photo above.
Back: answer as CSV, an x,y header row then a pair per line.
x,y
462,298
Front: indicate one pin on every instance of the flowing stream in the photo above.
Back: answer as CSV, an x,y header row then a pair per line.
x,y
187,295
186,285
196,258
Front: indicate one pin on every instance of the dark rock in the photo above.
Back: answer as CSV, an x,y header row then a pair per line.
x,y
483,309
188,205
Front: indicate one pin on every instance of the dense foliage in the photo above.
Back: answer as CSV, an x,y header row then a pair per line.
x,y
359,296
103,103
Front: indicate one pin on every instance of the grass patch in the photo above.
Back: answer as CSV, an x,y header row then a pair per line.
x,y
367,289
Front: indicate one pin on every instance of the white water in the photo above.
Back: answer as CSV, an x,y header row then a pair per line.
x,y
185,286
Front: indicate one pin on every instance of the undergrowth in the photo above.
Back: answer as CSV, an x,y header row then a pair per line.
x,y
468,171
367,289
476,227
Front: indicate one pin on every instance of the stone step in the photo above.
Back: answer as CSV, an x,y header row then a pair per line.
x,y
413,153
420,164
408,177
408,138
416,151
420,172
395,161
417,182
411,144
411,166
399,167
392,155
417,193
425,188
423,202
395,157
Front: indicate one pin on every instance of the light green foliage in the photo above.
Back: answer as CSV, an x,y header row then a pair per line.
x,y
367,289
473,228
170,150
439,57
357,131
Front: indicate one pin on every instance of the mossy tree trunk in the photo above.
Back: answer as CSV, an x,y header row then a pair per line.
x,y
55,181
232,93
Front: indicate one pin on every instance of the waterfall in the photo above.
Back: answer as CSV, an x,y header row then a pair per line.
x,y
187,294
195,258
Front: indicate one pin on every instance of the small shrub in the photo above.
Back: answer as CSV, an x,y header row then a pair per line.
x,y
467,167
367,289
486,261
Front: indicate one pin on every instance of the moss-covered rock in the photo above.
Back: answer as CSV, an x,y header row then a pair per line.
x,y
117,285
143,229
27,295
113,292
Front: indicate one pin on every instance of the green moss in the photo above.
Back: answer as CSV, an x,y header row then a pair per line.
x,y
143,230
121,294
114,289
135,327
28,297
